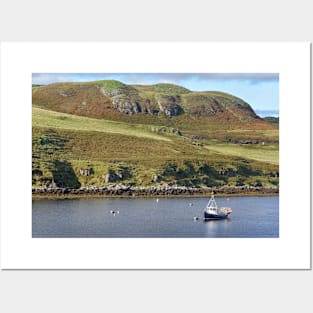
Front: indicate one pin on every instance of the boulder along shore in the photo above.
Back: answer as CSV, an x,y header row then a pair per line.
x,y
150,192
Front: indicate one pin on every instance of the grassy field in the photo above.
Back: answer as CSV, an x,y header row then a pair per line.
x,y
64,143
51,119
266,153
266,133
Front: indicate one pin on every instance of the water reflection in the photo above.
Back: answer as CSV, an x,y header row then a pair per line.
x,y
215,227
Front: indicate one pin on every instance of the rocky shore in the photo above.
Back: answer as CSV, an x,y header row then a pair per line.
x,y
152,191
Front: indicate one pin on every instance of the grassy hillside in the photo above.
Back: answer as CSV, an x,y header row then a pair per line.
x,y
143,154
267,154
272,119
202,115
52,119
169,89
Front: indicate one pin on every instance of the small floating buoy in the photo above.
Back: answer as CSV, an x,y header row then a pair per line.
x,y
157,200
196,218
114,212
190,204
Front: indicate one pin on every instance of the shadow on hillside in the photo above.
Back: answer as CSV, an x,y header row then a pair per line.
x,y
64,174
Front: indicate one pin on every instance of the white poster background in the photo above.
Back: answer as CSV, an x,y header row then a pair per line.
x,y
290,251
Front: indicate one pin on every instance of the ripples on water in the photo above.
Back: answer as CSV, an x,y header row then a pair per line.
x,y
252,217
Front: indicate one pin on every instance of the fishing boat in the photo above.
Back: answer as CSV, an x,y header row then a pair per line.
x,y
213,212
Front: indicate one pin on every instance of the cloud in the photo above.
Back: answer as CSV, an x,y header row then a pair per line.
x,y
253,78
48,78
150,78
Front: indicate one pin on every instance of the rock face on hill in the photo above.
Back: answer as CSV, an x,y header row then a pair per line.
x,y
102,98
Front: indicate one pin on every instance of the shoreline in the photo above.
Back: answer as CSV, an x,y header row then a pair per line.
x,y
128,192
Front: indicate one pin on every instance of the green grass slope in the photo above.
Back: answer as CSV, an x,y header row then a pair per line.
x,y
140,154
52,119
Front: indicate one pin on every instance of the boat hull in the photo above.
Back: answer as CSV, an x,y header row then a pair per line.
x,y
210,216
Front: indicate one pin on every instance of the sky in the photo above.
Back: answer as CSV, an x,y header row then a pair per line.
x,y
260,90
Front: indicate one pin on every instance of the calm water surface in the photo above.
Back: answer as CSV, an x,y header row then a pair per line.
x,y
251,217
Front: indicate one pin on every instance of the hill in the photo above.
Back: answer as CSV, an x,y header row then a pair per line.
x,y
201,114
272,119
106,132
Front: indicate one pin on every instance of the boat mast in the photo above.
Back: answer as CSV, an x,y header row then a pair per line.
x,y
212,204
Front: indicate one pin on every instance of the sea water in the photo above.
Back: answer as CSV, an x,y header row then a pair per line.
x,y
149,218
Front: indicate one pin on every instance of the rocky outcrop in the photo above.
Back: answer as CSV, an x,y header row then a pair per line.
x,y
152,191
110,93
170,130
155,178
68,93
109,178
246,142
148,107
113,177
126,105
85,171
169,105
